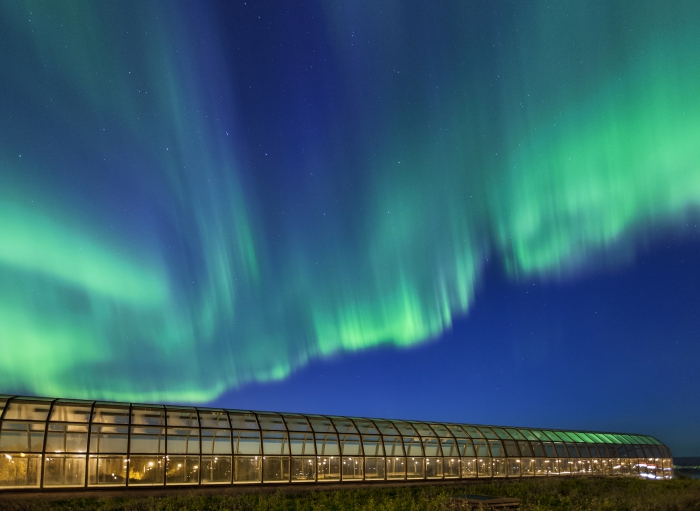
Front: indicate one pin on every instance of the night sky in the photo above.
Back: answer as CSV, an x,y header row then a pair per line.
x,y
481,211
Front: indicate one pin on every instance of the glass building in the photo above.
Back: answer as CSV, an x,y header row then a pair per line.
x,y
61,443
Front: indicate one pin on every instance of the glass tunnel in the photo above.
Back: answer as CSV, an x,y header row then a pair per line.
x,y
61,443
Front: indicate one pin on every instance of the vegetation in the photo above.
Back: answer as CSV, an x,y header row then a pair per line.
x,y
536,495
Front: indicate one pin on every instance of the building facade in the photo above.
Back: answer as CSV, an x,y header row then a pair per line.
x,y
57,443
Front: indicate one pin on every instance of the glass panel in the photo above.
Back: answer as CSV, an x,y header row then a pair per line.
x,y
501,433
386,428
321,425
496,447
499,467
372,446
538,450
561,450
216,441
433,468
213,419
599,439
565,465
585,466
472,431
296,422
583,450
147,440
110,414
108,439
303,469
593,450
64,470
216,469
248,469
571,448
423,429
328,468
20,471
576,436
404,428
466,447
352,468
182,470
344,425
511,447
542,467
468,467
488,433
272,422
350,445
484,467
527,467
183,441
148,416
552,436
146,470
610,438
441,430
526,449
3,400
395,468
586,438
451,466
107,470
449,447
529,435
275,443
621,450
513,467
481,447
549,449
275,469
185,417
302,445
412,446
67,438
374,468
393,446
431,447
327,445
27,410
564,436
243,420
515,434
246,442
22,436
457,431
555,466
540,435
71,412
366,427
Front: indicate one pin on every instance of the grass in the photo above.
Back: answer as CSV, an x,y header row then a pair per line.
x,y
536,495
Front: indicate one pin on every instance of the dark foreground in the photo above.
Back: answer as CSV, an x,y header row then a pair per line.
x,y
536,495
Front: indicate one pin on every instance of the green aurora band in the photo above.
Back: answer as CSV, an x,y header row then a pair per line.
x,y
139,259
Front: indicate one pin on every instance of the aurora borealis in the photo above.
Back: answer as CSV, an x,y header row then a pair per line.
x,y
195,197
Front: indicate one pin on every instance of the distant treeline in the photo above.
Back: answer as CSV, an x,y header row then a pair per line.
x,y
687,461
